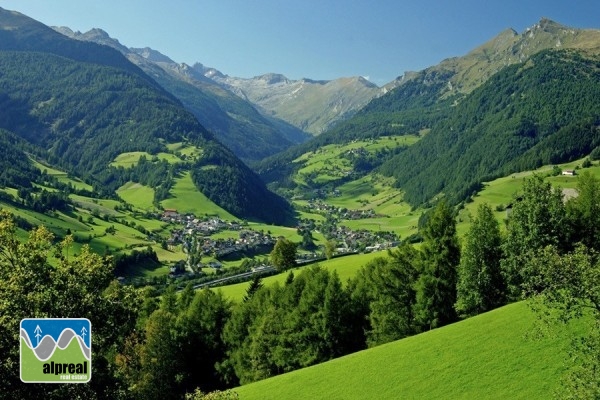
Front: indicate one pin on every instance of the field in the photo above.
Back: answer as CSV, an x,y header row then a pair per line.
x,y
185,149
62,176
485,357
328,164
187,199
127,160
137,195
346,268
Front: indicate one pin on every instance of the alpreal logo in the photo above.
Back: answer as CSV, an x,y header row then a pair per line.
x,y
56,350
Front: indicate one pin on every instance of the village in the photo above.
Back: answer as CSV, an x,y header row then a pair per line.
x,y
195,235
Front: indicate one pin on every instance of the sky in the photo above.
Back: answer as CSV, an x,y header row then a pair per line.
x,y
317,39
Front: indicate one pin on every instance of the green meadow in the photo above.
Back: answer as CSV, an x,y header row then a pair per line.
x,y
500,192
137,195
186,198
485,357
128,160
328,164
185,149
62,176
345,267
372,192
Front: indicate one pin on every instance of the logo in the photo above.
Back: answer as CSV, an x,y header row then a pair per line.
x,y
56,350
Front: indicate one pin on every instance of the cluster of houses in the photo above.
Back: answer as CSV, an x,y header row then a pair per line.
x,y
318,206
350,241
195,234
192,225
248,241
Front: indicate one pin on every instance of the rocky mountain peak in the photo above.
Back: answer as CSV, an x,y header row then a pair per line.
x,y
152,55
272,78
208,72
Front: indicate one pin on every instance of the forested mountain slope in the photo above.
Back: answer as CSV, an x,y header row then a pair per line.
x,y
539,112
80,115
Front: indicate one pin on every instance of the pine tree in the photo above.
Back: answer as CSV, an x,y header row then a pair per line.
x,y
436,286
255,285
480,283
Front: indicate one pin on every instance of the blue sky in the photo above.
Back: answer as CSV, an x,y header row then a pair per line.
x,y
318,39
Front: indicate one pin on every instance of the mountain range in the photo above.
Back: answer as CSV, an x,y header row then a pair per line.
x,y
515,102
234,121
254,117
479,116
313,106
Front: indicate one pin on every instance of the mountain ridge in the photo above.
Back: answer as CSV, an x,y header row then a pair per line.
x,y
235,122
506,48
311,105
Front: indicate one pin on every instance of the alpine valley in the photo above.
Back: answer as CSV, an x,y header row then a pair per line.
x,y
130,181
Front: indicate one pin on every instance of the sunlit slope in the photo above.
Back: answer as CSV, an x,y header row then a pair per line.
x,y
485,357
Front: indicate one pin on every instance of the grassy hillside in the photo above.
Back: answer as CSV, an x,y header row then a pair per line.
x,y
500,192
185,198
485,357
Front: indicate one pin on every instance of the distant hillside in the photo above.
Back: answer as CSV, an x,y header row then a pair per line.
x,y
313,106
80,115
234,121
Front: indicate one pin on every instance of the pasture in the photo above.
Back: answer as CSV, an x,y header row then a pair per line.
x,y
485,357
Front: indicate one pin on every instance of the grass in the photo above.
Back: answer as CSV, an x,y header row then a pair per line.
x,y
328,163
500,192
377,193
485,357
137,195
346,268
130,159
62,176
185,149
186,198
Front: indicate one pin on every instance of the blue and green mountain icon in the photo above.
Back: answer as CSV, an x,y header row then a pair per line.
x,y
56,350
